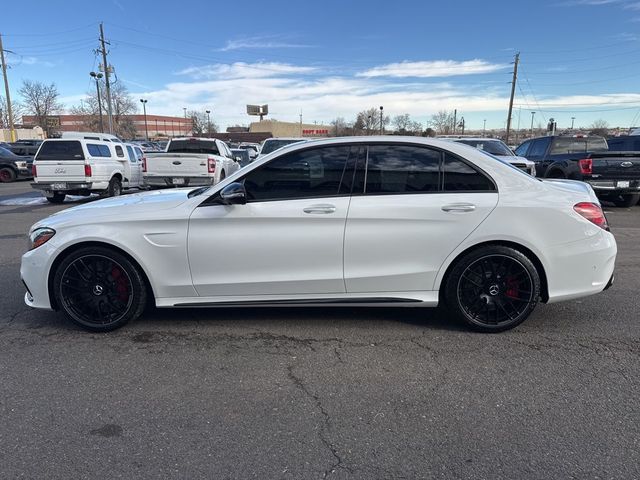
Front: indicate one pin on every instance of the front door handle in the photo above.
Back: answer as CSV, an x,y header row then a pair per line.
x,y
459,207
319,209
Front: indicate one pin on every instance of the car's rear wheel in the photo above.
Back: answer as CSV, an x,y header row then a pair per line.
x,y
626,201
7,175
99,288
115,187
493,288
56,197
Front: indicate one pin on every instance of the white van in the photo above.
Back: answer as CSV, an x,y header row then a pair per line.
x,y
84,166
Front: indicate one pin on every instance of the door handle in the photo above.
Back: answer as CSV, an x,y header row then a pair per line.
x,y
319,209
459,207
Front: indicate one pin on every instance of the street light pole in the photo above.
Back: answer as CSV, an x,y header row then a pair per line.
x,y
484,127
572,120
208,123
97,77
381,121
369,125
144,108
533,114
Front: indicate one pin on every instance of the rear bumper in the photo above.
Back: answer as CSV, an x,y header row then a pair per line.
x,y
617,186
69,186
178,181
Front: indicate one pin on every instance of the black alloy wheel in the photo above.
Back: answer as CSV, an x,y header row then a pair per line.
x,y
99,289
492,289
7,175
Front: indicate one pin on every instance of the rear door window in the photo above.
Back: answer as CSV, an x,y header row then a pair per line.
x,y
401,169
459,176
61,150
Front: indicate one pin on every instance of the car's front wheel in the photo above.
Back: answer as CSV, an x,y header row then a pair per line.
x,y
99,288
7,175
493,288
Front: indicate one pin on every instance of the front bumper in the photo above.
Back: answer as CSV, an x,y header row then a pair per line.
x,y
34,272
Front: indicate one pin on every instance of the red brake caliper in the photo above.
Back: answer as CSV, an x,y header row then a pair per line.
x,y
512,287
121,284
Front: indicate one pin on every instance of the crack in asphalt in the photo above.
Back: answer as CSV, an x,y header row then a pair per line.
x,y
299,383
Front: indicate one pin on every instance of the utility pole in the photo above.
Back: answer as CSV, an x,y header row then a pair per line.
x,y
8,96
513,92
455,120
107,83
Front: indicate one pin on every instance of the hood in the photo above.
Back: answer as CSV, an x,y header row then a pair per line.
x,y
134,207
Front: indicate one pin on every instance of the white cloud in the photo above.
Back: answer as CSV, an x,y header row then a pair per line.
x,y
263,42
437,68
244,70
36,61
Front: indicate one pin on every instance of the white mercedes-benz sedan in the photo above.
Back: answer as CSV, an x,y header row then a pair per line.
x,y
400,221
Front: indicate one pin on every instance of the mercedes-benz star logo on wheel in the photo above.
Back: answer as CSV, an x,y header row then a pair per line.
x,y
494,290
98,290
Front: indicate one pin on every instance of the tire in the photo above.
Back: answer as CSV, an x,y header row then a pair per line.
x,y
556,174
7,175
492,289
115,187
626,200
56,198
99,289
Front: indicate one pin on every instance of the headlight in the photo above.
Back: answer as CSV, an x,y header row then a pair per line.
x,y
40,236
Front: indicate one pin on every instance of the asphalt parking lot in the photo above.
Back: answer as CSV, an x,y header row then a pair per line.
x,y
313,393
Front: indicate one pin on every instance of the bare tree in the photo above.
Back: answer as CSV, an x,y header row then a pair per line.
x,y
123,106
406,126
41,101
199,123
599,127
442,122
368,122
16,108
340,127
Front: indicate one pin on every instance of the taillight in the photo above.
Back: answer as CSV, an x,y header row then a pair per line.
x,y
586,166
144,164
34,171
87,170
593,213
211,165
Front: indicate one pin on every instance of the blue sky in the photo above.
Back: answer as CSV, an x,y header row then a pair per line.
x,y
579,58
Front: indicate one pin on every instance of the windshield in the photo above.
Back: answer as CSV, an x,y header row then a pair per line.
x,y
272,145
494,147
6,153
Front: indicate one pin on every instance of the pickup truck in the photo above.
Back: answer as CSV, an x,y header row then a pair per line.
x,y
13,167
615,176
82,167
189,162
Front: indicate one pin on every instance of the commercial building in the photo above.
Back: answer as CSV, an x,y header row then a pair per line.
x,y
291,129
157,125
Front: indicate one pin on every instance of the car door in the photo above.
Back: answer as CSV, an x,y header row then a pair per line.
x,y
134,180
415,205
538,153
287,239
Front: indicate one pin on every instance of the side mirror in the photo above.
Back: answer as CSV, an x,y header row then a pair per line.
x,y
234,194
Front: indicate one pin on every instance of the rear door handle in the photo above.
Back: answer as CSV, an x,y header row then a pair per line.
x,y
459,207
319,209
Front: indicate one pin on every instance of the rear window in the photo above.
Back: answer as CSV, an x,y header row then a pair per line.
x,y
193,146
578,145
494,147
272,145
62,150
96,150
